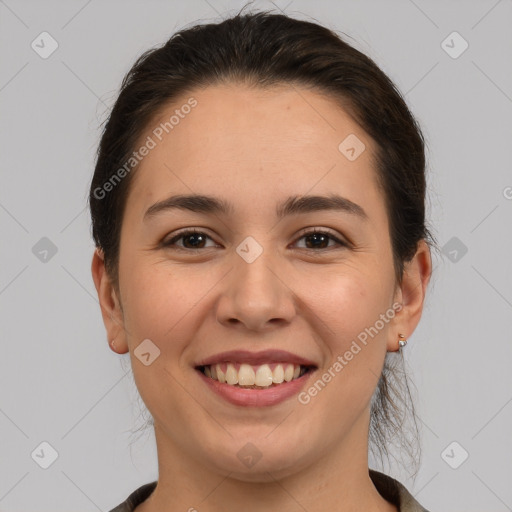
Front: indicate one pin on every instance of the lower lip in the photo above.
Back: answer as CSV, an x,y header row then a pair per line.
x,y
256,397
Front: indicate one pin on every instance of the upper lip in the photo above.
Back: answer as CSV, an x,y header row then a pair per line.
x,y
257,358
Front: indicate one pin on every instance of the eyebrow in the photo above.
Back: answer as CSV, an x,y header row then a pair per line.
x,y
294,205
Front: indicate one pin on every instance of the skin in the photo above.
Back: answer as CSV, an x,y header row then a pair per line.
x,y
255,148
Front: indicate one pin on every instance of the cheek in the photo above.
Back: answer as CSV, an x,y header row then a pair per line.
x,y
346,301
349,316
155,302
168,304
159,305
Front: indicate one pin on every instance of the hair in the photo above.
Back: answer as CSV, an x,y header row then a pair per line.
x,y
261,50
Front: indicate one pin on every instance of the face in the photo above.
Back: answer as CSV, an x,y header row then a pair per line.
x,y
250,279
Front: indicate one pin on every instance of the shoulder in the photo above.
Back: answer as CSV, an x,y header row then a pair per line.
x,y
136,498
395,492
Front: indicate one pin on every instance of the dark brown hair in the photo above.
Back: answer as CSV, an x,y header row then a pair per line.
x,y
263,49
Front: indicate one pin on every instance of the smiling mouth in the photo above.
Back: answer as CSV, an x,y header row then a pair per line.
x,y
247,376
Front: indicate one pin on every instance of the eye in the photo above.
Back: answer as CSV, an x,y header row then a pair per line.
x,y
318,239
197,239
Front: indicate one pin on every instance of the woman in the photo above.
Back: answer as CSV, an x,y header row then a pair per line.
x,y
258,209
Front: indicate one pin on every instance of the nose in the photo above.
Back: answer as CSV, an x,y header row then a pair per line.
x,y
256,296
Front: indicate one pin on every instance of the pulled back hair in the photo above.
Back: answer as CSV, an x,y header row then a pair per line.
x,y
264,49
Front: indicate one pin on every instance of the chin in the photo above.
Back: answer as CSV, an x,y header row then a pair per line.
x,y
259,460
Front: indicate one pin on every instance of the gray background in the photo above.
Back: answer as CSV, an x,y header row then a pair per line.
x,y
59,381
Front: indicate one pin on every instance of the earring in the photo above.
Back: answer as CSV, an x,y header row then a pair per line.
x,y
401,342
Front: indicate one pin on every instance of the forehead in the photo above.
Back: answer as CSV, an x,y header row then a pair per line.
x,y
226,115
262,142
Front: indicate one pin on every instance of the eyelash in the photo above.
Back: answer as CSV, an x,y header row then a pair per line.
x,y
183,234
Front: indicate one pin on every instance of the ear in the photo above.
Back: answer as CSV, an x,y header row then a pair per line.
x,y
109,304
411,294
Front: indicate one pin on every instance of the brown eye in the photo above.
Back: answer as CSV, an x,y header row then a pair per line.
x,y
191,240
320,240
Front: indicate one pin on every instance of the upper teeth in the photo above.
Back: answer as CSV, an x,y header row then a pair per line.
x,y
248,375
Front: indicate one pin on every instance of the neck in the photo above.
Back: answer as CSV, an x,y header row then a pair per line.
x,y
338,480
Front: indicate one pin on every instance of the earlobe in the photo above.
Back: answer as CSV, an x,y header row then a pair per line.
x,y
110,307
411,294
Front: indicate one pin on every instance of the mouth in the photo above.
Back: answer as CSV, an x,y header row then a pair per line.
x,y
251,376
255,379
